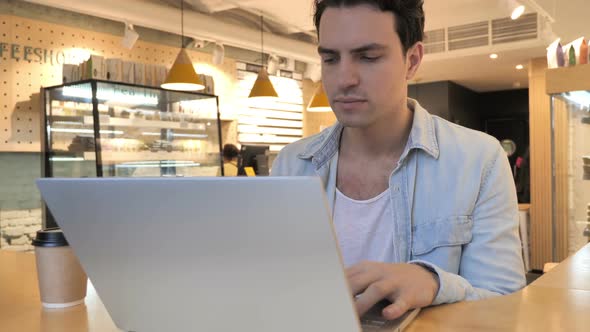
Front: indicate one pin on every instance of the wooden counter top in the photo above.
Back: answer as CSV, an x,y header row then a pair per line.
x,y
558,301
20,305
532,309
572,273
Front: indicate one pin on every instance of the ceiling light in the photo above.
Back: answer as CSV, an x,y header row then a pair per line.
x,y
517,12
130,37
182,75
273,64
319,102
519,67
493,56
195,43
263,87
218,54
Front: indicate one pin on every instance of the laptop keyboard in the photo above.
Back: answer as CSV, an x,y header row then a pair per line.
x,y
371,325
373,321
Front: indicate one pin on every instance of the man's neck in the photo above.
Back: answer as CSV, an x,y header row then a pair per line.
x,y
386,138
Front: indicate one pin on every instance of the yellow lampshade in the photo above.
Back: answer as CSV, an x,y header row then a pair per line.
x,y
263,86
182,75
319,102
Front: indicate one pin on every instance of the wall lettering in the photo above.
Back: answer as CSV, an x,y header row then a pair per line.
x,y
19,52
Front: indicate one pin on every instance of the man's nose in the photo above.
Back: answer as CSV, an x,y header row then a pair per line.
x,y
348,74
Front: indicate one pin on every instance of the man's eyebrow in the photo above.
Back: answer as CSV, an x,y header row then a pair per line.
x,y
361,49
369,47
322,50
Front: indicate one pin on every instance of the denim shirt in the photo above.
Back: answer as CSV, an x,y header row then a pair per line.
x,y
453,198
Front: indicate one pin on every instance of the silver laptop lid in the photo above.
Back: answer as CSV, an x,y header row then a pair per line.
x,y
207,254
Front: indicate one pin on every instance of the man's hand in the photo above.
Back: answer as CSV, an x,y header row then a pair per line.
x,y
407,286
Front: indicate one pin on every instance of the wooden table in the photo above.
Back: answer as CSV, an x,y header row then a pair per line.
x,y
20,305
558,301
572,273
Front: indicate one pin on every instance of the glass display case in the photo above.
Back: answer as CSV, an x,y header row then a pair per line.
x,y
104,129
570,157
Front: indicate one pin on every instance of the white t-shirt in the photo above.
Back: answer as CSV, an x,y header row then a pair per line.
x,y
364,228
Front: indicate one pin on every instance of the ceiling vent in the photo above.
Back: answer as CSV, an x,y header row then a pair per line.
x,y
485,33
435,41
506,30
468,35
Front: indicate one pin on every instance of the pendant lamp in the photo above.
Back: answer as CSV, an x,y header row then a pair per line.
x,y
319,102
263,87
182,75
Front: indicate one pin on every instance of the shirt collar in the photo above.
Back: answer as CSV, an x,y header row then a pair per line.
x,y
422,136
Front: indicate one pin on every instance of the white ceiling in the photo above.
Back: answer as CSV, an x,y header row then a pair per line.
x,y
293,19
473,69
299,13
571,16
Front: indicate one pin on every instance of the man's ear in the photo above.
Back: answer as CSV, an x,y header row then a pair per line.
x,y
414,59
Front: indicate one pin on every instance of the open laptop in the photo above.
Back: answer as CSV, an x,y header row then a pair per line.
x,y
210,254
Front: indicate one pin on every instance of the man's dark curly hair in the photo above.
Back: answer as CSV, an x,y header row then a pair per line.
x,y
409,16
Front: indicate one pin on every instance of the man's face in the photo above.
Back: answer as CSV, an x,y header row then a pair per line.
x,y
364,68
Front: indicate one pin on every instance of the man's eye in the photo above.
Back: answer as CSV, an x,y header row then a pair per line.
x,y
370,58
329,60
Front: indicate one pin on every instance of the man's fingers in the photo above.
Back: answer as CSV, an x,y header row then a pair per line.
x,y
396,309
361,267
360,281
373,294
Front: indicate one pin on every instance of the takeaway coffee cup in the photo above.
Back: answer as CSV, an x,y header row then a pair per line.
x,y
62,281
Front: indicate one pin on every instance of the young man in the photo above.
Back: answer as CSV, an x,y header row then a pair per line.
x,y
425,211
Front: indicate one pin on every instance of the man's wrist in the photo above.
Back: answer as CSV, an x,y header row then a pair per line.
x,y
432,271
